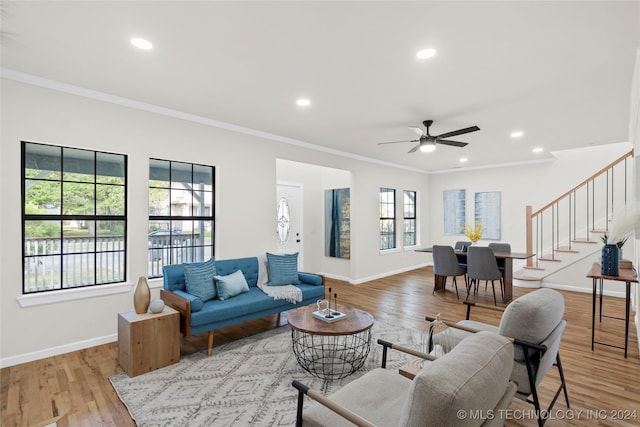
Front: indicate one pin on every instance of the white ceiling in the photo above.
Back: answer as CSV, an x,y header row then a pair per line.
x,y
559,71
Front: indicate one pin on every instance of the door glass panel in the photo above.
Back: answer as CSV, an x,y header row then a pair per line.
x,y
284,221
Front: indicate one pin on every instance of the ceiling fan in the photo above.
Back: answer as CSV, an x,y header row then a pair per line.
x,y
427,142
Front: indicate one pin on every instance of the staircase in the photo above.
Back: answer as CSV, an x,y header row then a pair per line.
x,y
569,229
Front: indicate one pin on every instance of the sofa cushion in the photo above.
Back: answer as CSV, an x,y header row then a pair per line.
x,y
473,378
199,279
283,269
231,285
249,267
240,306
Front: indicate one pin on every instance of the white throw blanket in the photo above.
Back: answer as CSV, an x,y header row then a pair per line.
x,y
291,293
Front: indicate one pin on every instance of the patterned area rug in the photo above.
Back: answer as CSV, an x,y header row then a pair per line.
x,y
243,383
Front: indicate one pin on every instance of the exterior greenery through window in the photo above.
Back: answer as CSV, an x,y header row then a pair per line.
x,y
74,219
387,218
409,218
181,213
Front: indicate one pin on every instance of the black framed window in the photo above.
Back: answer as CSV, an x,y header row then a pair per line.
x,y
181,213
387,218
74,217
410,218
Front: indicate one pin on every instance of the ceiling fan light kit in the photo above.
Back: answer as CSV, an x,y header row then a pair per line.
x,y
427,142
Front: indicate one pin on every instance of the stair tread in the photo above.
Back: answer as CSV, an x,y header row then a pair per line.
x,y
533,268
526,278
549,258
567,250
584,241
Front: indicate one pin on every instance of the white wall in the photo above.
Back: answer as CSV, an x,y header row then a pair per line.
x,y
245,196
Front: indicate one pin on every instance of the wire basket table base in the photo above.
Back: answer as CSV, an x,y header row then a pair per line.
x,y
331,357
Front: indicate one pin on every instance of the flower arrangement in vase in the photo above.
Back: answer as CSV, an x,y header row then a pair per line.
x,y
473,233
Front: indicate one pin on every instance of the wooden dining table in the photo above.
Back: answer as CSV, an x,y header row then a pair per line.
x,y
505,261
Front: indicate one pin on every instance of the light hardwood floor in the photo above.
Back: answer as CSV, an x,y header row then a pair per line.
x,y
602,384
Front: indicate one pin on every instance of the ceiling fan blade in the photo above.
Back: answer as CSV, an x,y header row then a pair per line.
x,y
397,142
414,149
452,143
458,132
417,130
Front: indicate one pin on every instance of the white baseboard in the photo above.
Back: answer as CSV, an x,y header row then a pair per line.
x,y
54,351
583,290
377,276
387,274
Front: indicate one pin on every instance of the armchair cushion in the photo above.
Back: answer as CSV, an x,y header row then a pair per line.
x,y
472,377
532,317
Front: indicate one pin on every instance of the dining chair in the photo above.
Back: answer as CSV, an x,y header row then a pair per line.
x,y
462,245
482,265
500,247
445,264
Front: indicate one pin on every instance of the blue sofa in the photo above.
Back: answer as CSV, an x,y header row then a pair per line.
x,y
197,317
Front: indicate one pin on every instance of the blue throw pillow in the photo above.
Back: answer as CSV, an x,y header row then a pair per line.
x,y
283,269
231,285
199,279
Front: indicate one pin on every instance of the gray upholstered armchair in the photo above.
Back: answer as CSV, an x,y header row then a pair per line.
x,y
451,391
535,323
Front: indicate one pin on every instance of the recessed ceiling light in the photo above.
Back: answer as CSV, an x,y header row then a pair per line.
x,y
141,43
426,53
517,134
463,159
538,150
303,102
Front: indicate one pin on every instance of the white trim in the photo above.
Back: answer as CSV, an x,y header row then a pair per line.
x,y
33,80
387,274
336,277
55,351
51,297
583,290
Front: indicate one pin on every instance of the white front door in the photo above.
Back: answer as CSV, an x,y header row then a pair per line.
x,y
289,220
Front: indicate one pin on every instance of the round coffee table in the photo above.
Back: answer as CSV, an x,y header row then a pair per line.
x,y
331,350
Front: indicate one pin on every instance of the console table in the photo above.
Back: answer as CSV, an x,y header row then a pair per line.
x,y
626,275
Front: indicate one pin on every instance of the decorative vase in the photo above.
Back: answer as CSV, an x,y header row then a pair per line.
x,y
142,296
609,259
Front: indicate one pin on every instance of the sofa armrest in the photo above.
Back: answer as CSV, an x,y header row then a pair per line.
x,y
180,304
311,279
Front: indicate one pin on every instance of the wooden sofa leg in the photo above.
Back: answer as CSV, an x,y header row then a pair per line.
x,y
278,320
210,344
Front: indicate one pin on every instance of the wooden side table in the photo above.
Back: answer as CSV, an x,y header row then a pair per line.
x,y
626,275
148,341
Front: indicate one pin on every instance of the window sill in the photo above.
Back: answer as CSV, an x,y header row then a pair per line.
x,y
389,251
51,297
